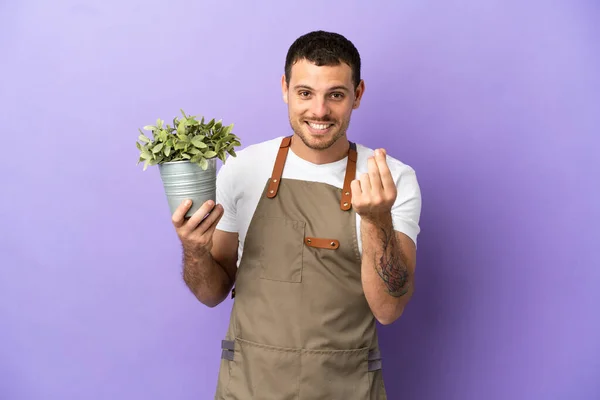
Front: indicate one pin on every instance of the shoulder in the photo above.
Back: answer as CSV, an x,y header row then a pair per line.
x,y
242,175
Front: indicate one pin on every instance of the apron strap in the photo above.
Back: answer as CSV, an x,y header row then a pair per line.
x,y
278,167
346,200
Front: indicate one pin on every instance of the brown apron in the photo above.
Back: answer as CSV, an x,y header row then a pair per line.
x,y
300,326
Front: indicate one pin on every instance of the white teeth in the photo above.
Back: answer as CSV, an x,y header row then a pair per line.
x,y
319,126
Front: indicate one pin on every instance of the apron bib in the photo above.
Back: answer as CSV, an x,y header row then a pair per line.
x,y
300,327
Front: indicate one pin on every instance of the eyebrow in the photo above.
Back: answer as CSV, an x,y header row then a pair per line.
x,y
338,87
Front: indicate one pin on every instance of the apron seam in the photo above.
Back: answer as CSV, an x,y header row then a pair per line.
x,y
302,349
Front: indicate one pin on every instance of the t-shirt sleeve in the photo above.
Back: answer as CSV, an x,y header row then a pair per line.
x,y
227,196
406,211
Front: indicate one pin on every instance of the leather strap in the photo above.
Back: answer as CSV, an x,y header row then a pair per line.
x,y
322,243
278,167
346,200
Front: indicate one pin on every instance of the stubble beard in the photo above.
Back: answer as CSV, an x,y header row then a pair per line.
x,y
299,130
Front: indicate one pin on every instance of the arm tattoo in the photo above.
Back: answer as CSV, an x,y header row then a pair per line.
x,y
391,268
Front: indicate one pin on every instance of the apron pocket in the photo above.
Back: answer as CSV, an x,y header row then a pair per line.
x,y
333,375
263,372
280,248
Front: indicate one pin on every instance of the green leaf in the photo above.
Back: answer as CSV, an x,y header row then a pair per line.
x,y
180,145
203,164
198,141
149,128
146,155
210,154
167,150
194,151
157,148
186,156
144,138
232,152
181,128
227,129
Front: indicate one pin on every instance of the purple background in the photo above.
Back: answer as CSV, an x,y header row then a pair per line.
x,y
496,104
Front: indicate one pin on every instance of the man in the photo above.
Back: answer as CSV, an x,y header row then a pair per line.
x,y
325,234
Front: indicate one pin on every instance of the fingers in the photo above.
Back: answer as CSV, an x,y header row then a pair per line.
x,y
204,220
197,218
213,219
355,188
374,176
365,183
178,216
201,237
387,181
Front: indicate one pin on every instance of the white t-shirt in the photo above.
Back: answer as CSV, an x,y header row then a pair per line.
x,y
241,180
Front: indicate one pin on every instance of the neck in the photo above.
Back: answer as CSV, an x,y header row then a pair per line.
x,y
335,152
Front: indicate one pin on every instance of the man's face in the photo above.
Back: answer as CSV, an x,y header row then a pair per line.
x,y
320,102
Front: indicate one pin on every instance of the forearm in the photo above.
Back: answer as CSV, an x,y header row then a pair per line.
x,y
387,279
205,277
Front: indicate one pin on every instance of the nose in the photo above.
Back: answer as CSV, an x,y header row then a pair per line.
x,y
319,107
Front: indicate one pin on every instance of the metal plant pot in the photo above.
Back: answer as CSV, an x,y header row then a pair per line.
x,y
185,180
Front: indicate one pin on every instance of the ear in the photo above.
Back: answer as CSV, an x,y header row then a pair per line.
x,y
358,93
284,89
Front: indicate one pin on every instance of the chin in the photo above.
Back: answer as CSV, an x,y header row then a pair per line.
x,y
318,141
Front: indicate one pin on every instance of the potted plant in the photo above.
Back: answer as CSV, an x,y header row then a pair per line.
x,y
186,154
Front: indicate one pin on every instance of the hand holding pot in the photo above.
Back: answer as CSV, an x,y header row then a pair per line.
x,y
196,232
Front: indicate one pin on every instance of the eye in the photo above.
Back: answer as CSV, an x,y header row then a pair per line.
x,y
304,93
337,95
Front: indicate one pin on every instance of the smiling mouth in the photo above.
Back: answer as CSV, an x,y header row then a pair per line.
x,y
319,127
